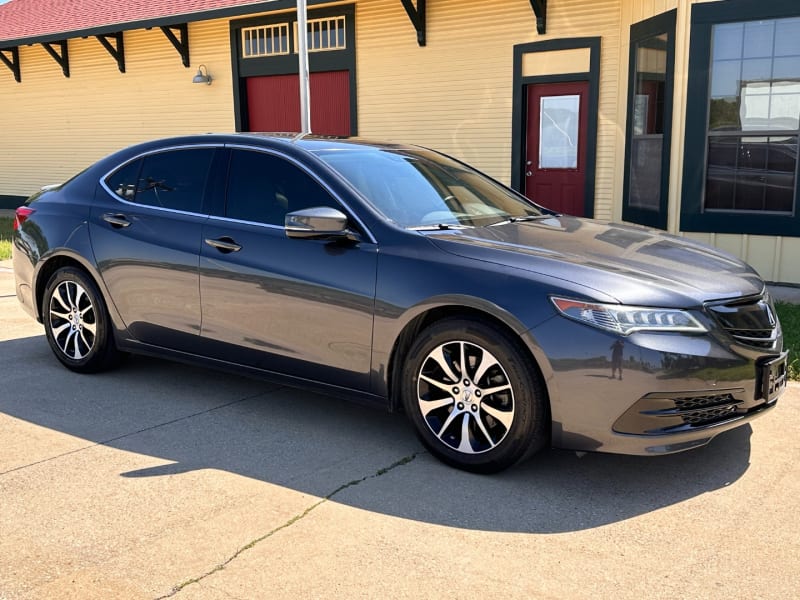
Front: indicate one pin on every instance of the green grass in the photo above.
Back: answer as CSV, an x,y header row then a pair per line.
x,y
789,314
6,227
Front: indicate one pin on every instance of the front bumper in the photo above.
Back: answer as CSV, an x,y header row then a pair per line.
x,y
667,393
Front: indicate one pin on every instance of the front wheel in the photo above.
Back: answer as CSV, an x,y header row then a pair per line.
x,y
76,322
475,399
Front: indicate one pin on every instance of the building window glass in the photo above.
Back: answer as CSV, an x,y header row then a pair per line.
x,y
265,40
325,34
753,116
649,121
740,170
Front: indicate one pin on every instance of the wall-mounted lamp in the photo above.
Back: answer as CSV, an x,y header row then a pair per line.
x,y
200,77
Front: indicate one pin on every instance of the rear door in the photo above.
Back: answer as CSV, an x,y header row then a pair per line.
x,y
146,226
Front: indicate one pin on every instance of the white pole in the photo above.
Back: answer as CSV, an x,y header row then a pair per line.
x,y
302,51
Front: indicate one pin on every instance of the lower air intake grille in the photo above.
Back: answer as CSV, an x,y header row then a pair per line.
x,y
708,415
690,402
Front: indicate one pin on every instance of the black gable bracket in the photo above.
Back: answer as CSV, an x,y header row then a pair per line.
x,y
61,56
12,62
417,16
540,10
181,43
114,44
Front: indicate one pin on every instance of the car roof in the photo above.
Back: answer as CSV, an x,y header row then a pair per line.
x,y
308,141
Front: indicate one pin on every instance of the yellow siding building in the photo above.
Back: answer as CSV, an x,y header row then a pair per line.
x,y
673,114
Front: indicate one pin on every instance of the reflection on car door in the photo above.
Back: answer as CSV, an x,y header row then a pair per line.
x,y
150,212
301,307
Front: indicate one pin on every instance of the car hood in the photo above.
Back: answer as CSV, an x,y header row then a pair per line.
x,y
633,264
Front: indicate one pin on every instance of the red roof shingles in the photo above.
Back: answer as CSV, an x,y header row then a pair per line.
x,y
28,19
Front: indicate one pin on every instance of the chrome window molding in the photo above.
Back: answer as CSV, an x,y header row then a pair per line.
x,y
118,198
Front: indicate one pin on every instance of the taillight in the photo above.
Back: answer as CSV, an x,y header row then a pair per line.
x,y
21,215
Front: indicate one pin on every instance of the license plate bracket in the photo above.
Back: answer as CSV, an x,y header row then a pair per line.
x,y
773,378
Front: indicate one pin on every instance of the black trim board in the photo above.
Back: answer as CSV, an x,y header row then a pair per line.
x,y
693,218
340,60
663,23
519,102
11,202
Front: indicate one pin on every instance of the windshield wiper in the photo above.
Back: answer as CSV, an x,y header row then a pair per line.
x,y
520,219
441,226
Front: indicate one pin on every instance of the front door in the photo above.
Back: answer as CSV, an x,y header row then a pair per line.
x,y
299,307
555,161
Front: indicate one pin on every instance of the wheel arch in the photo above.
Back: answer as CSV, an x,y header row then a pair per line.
x,y
55,261
431,315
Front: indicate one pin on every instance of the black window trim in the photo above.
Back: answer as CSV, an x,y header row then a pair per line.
x,y
659,24
143,155
693,219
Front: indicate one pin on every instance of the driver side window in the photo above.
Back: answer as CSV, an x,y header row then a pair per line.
x,y
262,188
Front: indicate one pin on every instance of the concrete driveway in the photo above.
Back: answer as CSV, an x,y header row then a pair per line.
x,y
160,480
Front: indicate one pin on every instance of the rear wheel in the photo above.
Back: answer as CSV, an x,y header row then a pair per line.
x,y
76,322
474,398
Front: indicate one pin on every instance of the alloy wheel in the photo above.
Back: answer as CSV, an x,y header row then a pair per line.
x,y
465,397
73,320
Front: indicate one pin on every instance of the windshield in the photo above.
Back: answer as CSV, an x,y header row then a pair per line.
x,y
423,189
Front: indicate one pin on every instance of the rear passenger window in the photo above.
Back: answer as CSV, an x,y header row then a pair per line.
x,y
123,181
262,188
174,179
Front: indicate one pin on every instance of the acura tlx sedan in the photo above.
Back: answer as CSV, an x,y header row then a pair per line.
x,y
398,276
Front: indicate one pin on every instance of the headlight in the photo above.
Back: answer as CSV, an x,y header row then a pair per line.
x,y
628,319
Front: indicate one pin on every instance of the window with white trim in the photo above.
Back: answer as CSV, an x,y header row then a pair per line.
x,y
325,34
265,40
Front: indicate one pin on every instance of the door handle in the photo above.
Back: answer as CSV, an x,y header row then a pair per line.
x,y
528,174
223,244
116,220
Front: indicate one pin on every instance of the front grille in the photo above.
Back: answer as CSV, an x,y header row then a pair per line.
x,y
751,322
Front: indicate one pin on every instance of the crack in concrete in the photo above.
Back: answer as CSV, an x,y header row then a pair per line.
x,y
132,433
221,566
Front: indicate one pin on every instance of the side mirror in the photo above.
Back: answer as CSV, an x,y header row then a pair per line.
x,y
319,222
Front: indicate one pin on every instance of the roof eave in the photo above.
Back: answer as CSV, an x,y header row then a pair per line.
x,y
206,15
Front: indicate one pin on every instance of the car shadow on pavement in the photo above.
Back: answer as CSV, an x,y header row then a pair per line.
x,y
183,419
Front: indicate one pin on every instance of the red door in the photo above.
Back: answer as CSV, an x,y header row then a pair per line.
x,y
555,164
273,103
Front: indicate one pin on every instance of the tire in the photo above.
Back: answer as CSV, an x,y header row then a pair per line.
x,y
77,324
483,422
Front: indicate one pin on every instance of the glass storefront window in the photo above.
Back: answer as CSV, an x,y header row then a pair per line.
x,y
649,121
753,116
